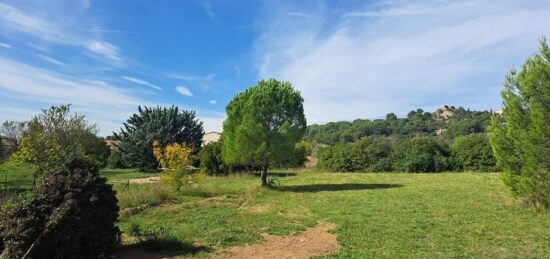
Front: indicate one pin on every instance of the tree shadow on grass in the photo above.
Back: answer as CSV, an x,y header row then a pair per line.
x,y
336,187
157,249
276,174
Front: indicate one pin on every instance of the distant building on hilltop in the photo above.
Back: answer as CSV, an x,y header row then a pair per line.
x,y
111,143
211,137
444,112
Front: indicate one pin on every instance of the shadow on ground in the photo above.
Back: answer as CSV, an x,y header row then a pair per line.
x,y
153,249
276,174
336,187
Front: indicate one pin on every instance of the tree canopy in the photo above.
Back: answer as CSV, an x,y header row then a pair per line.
x,y
165,125
263,125
55,137
521,140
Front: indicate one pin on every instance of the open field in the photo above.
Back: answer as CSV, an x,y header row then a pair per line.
x,y
21,176
376,215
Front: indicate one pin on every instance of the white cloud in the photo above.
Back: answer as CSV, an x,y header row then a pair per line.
x,y
57,29
140,81
5,45
105,49
395,61
51,60
24,85
212,102
183,90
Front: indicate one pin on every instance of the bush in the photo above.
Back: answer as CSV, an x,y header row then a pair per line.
x,y
71,215
116,160
474,153
368,155
336,158
422,154
210,158
372,154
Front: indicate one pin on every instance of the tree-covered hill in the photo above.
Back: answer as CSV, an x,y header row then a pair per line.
x,y
449,122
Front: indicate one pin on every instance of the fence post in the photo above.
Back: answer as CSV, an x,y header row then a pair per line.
x,y
128,184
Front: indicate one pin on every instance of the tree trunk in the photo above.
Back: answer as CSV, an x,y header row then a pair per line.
x,y
264,175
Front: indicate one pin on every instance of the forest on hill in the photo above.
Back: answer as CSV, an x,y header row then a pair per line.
x,y
448,122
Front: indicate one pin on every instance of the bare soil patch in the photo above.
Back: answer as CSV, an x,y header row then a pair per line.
x,y
152,179
314,241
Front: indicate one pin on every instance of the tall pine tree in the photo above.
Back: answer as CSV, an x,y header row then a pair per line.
x,y
521,139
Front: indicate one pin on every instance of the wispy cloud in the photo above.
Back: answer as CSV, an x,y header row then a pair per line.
x,y
25,85
183,90
5,45
54,31
105,49
51,60
208,8
212,102
397,60
109,31
298,14
140,82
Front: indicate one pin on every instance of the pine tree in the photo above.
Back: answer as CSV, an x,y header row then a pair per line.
x,y
165,125
521,139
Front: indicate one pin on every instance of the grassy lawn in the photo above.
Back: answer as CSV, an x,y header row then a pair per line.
x,y
377,215
21,176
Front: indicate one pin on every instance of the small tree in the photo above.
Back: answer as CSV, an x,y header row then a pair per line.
x,y
263,125
177,159
521,140
55,137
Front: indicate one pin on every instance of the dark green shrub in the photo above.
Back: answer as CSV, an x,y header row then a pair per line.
x,y
116,160
336,158
210,158
474,153
372,154
71,215
421,154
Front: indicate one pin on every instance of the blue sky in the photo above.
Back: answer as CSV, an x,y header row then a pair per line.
x,y
349,59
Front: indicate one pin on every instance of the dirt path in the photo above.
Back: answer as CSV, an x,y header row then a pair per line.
x,y
314,241
152,179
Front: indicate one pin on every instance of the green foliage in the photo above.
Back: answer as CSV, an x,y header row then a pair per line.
x,y
55,137
297,157
521,142
116,159
166,125
421,154
474,153
211,159
263,125
71,215
367,155
417,123
465,122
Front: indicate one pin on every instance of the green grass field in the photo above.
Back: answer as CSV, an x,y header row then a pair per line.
x,y
377,215
21,176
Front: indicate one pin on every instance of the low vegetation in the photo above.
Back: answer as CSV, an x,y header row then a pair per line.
x,y
405,215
